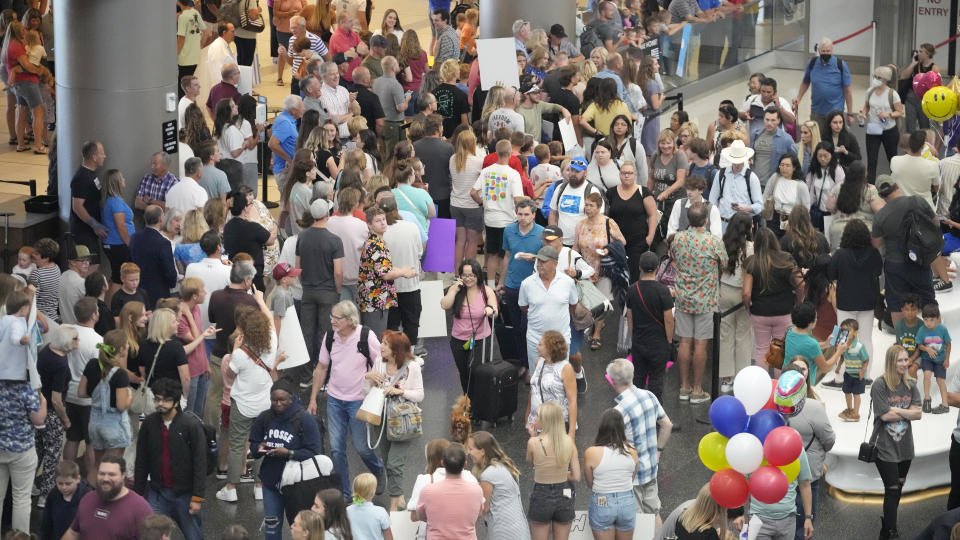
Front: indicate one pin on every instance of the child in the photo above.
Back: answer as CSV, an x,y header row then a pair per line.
x,y
856,359
14,338
46,278
129,289
35,51
24,263
906,330
282,297
933,342
367,521
544,175
301,48
61,504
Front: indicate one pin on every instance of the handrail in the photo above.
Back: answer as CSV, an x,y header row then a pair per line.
x,y
32,184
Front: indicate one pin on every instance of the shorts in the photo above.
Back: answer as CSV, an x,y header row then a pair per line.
x,y
937,368
549,503
903,278
117,255
109,430
493,244
468,218
79,416
613,510
224,416
853,384
648,497
576,340
28,94
283,38
693,325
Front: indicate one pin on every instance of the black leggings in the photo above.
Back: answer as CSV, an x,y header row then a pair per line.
x,y
893,474
889,139
953,501
464,359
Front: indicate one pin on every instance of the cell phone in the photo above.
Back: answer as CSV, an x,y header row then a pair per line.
x,y
843,335
942,218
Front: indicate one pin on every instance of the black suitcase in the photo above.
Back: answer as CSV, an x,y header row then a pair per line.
x,y
510,340
493,387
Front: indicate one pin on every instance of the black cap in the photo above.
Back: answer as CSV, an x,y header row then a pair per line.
x,y
557,30
552,232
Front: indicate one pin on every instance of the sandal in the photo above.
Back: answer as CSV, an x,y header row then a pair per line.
x,y
13,142
22,148
279,82
42,151
595,344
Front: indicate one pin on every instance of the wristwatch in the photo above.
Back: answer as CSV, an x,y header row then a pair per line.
x,y
808,516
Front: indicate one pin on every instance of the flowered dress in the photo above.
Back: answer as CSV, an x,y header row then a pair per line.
x,y
272,252
374,292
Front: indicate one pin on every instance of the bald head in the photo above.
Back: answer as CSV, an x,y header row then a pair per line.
x,y
361,76
615,62
825,46
510,97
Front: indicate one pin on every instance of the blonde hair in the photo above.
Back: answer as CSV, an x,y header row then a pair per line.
x,y
355,160
312,523
449,70
466,146
114,181
587,69
193,227
314,140
365,485
538,55
550,420
129,315
356,125
117,340
33,38
373,184
189,287
495,100
691,127
890,375
159,325
704,513
603,52
814,128
734,135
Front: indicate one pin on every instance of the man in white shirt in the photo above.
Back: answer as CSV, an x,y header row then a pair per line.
x,y
566,206
694,185
353,232
72,281
190,85
188,194
211,270
497,190
403,240
506,116
732,191
546,297
221,52
78,408
913,173
341,105
753,107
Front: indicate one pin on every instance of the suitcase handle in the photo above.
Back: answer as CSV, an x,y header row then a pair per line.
x,y
483,352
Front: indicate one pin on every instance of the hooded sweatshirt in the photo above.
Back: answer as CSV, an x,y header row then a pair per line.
x,y
857,273
281,431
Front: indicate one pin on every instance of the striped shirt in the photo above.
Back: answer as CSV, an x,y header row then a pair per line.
x,y
47,283
156,188
949,175
681,9
641,410
316,45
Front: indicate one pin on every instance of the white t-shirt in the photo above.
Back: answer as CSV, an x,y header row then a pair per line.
x,y
251,388
250,154
507,118
77,359
353,233
878,104
215,276
462,182
71,289
403,241
499,185
182,109
231,139
570,208
756,101
186,195
288,254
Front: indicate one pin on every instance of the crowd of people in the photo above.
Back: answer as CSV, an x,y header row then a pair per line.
x,y
157,346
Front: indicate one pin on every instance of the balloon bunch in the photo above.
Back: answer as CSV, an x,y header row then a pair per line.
x,y
938,102
752,438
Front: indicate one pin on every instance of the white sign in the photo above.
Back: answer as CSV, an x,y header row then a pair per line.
x,y
433,320
291,341
498,63
568,134
933,24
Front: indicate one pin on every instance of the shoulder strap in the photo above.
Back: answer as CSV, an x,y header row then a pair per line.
x,y
746,176
633,147
645,308
363,346
404,195
146,382
810,64
255,358
328,345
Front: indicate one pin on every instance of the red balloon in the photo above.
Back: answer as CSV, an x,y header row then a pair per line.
x,y
768,484
770,404
782,446
925,81
729,488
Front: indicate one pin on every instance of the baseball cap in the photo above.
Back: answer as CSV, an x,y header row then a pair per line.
x,y
548,253
649,261
886,185
557,30
378,41
578,164
282,270
552,232
78,252
320,208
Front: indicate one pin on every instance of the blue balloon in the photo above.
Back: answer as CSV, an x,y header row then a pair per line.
x,y
763,423
728,416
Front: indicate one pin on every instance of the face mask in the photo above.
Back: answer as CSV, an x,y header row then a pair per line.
x,y
825,57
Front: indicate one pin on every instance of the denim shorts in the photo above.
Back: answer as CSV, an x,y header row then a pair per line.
x,y
853,384
613,510
28,93
109,430
937,368
549,504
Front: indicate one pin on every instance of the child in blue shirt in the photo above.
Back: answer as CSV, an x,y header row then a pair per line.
x,y
854,360
933,342
906,330
367,521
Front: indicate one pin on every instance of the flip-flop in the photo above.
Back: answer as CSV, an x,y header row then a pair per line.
x,y
13,142
40,152
279,82
22,149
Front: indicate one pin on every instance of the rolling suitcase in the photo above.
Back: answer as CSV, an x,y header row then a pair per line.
x,y
510,340
492,387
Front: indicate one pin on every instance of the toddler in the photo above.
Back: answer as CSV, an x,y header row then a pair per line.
x,y
25,263
855,360
14,338
933,342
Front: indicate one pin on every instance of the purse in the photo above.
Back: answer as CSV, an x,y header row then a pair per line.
x,y
142,403
251,25
374,405
868,448
404,420
774,357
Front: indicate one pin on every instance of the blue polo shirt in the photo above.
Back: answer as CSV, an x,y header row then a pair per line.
x,y
285,130
826,82
439,4
514,242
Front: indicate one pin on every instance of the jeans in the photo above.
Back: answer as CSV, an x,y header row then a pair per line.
x,y
272,514
814,501
889,139
197,399
316,306
348,292
953,500
893,475
341,419
177,507
18,468
395,458
406,314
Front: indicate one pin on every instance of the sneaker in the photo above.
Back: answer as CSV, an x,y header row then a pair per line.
x,y
834,384
41,502
420,350
685,394
258,493
246,478
926,406
418,360
726,385
307,383
381,483
854,416
941,409
221,475
940,285
228,495
699,397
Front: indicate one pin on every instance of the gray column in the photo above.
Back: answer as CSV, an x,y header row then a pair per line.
x,y
497,16
116,65
896,26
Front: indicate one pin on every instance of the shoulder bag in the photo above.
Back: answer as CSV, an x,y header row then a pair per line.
x,y
868,448
374,405
248,24
404,421
142,403
774,357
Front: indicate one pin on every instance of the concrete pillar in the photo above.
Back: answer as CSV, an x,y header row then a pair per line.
x,y
116,71
497,16
896,26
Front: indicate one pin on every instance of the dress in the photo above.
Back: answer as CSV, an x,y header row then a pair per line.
x,y
546,385
505,521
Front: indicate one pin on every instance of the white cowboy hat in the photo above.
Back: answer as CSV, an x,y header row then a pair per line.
x,y
736,153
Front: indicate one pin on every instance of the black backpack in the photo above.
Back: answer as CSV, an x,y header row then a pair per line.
x,y
362,347
923,241
589,39
757,221
210,434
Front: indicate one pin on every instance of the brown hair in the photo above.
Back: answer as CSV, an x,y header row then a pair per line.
x,y
556,346
434,452
399,345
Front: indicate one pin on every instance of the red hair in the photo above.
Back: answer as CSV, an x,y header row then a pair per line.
x,y
399,345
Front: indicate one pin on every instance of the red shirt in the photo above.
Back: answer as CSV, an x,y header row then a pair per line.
x,y
343,40
514,164
14,51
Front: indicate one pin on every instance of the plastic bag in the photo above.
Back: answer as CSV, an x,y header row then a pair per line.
x,y
624,335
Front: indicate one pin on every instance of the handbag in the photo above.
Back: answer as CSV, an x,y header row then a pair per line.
x,y
142,403
404,420
248,24
298,485
774,357
868,448
374,405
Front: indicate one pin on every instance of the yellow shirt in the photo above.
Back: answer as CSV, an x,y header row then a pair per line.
x,y
603,118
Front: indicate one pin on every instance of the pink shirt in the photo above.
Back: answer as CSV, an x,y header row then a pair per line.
x,y
283,23
197,360
417,68
343,40
451,509
349,366
472,320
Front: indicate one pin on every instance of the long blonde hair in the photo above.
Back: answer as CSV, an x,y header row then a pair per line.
x,y
890,375
466,146
129,315
159,325
814,129
495,100
194,225
493,454
550,420
704,514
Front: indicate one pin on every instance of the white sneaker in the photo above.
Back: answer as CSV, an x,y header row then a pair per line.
x,y
726,386
258,493
228,495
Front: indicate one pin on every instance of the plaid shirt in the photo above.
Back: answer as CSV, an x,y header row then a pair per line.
x,y
641,410
156,188
449,46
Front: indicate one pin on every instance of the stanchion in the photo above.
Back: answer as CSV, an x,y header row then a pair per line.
x,y
265,172
704,416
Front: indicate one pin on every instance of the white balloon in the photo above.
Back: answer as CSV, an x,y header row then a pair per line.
x,y
752,387
744,453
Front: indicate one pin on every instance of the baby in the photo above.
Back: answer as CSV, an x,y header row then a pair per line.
x,y
15,337
25,263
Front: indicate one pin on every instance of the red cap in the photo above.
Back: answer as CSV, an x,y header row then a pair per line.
x,y
282,270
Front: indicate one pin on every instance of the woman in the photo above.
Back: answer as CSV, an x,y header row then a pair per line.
x,y
825,172
799,341
608,469
809,139
390,24
308,122
133,321
784,191
397,366
376,292
678,119
164,357
896,403
552,381
537,66
433,473
265,253
880,107
653,93
556,470
8,16
465,166
473,303
634,210
625,147
298,189
329,503
54,379
585,72
727,118
633,94
230,140
328,149
188,249
24,80
194,129
308,525
215,214
283,432
591,237
402,151
771,284
603,170
803,241
687,132
606,106
118,219
502,513
250,130
320,19
106,382
598,57
856,268
668,170
366,140
413,62
283,11
736,331
853,199
845,145
921,62
700,519
24,409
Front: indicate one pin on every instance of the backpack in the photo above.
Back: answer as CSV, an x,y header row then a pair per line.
x,y
922,241
210,434
229,12
586,192
589,39
757,220
362,347
462,7
814,59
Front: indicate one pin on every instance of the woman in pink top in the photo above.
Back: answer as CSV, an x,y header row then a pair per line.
x,y
24,80
472,302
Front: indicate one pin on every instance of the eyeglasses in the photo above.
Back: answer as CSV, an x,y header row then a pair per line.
x,y
468,276
336,317
161,399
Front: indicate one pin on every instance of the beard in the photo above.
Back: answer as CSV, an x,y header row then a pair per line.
x,y
577,180
108,492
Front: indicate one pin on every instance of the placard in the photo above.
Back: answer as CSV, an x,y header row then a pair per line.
x,y
498,63
442,237
169,136
291,341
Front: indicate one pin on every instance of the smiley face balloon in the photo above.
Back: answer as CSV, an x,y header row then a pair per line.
x,y
939,103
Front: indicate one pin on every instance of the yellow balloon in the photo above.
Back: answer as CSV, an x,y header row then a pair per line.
x,y
939,103
713,451
792,470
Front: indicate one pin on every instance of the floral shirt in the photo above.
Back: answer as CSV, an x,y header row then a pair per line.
x,y
591,237
376,294
272,252
17,400
698,256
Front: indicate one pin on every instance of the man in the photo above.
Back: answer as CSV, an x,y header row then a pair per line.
x,y
298,27
320,256
949,175
521,33
770,143
340,104
506,116
378,49
344,40
243,233
606,26
694,185
85,200
647,429
736,188
368,101
220,53
497,191
451,507
448,43
611,70
914,174
566,205
283,136
519,243
393,102
756,104
112,512
310,88
830,78
157,527
651,319
212,179
343,363
435,153
548,298
406,249
353,234
190,29
189,92
222,307
155,184
901,276
188,194
534,110
172,450
150,250
226,88
699,257
72,281
558,42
